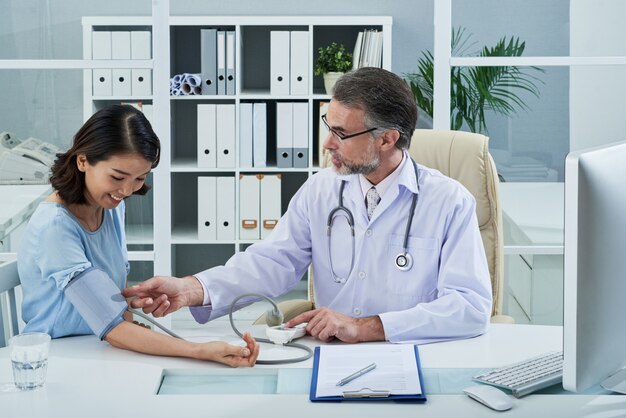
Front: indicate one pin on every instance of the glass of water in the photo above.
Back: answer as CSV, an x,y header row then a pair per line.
x,y
29,356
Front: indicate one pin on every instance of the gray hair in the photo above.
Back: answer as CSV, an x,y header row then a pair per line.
x,y
385,98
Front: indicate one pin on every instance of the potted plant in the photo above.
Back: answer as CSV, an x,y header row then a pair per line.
x,y
475,90
332,62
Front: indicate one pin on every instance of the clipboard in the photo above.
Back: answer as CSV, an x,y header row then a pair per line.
x,y
365,394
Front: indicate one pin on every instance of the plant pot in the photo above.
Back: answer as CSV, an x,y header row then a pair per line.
x,y
329,81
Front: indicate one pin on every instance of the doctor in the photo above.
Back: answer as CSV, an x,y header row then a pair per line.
x,y
395,246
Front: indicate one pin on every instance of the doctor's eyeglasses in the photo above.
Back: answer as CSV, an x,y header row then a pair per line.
x,y
340,135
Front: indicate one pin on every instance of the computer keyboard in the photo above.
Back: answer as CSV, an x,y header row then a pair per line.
x,y
527,376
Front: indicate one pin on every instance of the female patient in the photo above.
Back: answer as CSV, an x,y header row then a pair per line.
x,y
72,260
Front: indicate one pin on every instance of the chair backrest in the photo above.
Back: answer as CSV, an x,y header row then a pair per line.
x,y
464,156
9,280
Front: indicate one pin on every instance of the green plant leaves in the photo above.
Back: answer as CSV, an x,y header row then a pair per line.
x,y
333,58
476,90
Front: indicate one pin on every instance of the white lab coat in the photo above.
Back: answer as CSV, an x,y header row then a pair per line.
x,y
445,295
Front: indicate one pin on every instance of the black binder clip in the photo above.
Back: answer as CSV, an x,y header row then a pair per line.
x,y
365,393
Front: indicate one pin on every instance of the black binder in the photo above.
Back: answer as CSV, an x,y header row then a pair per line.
x,y
366,394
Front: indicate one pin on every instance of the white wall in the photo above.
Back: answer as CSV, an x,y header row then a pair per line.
x,y
597,94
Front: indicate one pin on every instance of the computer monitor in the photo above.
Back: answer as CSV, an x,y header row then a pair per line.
x,y
594,320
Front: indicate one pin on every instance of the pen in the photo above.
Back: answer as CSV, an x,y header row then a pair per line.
x,y
356,374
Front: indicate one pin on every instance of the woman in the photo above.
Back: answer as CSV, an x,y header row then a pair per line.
x,y
72,259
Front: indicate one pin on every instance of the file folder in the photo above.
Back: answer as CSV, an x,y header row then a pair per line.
x,y
225,134
279,63
284,134
299,63
301,135
270,203
101,50
249,206
121,82
245,135
225,208
207,140
208,61
230,62
207,208
259,134
221,62
366,393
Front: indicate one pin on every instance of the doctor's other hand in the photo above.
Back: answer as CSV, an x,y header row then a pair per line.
x,y
163,295
326,324
232,355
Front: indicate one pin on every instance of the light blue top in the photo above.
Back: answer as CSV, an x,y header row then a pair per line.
x,y
54,249
445,295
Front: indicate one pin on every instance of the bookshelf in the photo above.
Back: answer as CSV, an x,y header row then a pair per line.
x,y
162,228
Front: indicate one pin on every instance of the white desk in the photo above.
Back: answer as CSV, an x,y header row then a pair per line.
x,y
88,378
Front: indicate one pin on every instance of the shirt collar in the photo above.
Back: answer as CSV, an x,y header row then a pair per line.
x,y
384,185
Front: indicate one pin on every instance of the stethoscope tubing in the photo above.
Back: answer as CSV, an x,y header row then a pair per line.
x,y
341,210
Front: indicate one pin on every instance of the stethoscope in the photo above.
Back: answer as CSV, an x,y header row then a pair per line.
x,y
403,261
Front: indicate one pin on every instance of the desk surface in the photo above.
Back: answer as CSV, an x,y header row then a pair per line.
x,y
87,377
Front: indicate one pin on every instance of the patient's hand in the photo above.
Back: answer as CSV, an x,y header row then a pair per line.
x,y
233,355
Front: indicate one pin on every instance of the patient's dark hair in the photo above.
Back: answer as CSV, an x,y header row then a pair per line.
x,y
114,130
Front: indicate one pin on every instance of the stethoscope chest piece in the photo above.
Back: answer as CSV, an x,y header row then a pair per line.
x,y
404,261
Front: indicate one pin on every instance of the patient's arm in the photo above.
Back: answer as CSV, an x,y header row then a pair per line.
x,y
132,337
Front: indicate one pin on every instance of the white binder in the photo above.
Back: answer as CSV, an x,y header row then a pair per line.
x,y
120,45
121,82
249,206
207,141
148,113
207,208
221,62
301,135
299,63
270,203
101,50
245,135
284,134
140,45
141,49
225,132
322,134
208,63
279,63
259,134
230,62
225,208
102,84
141,84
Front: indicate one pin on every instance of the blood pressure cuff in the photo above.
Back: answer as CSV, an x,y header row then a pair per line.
x,y
97,299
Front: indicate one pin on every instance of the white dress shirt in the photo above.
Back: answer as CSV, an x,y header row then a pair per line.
x,y
445,295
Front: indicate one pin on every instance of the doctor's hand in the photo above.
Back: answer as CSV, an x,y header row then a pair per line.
x,y
163,295
326,324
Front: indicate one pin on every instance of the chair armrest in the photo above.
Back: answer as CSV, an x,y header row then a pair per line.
x,y
502,319
290,309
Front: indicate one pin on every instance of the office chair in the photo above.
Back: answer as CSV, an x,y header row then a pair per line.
x,y
9,280
463,156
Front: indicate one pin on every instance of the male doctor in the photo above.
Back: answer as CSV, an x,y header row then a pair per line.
x,y
413,270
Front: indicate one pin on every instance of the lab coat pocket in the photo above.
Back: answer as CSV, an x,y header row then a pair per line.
x,y
419,283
